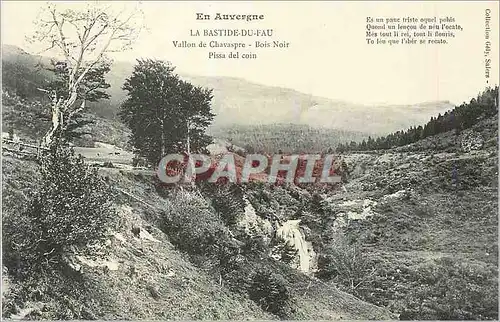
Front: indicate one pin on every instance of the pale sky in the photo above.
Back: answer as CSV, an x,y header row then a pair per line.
x,y
328,54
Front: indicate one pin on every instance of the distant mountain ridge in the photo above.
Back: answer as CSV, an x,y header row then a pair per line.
x,y
238,101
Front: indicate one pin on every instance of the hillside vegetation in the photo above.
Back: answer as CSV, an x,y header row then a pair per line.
x,y
410,232
163,260
405,234
288,138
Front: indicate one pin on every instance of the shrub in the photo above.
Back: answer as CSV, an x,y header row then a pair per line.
x,y
193,226
70,210
283,250
227,201
270,291
344,264
58,294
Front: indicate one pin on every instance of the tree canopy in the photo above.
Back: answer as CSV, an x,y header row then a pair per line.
x,y
82,35
165,113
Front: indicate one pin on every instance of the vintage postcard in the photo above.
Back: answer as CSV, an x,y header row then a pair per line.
x,y
250,160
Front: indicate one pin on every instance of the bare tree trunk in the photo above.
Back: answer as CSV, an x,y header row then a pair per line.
x,y
190,160
56,118
58,108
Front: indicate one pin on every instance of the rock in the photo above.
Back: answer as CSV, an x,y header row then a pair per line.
x,y
146,235
111,265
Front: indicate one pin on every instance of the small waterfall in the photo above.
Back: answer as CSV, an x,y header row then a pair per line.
x,y
291,233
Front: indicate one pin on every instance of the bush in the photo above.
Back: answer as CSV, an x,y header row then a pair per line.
x,y
270,291
344,264
70,210
194,227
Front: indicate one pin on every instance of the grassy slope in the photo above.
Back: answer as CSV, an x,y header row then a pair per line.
x,y
154,280
435,219
289,138
186,292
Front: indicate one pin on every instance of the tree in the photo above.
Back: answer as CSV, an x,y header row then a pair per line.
x,y
271,291
370,144
82,36
165,113
70,210
92,89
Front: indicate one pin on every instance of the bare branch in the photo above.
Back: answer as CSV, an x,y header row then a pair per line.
x,y
82,37
61,34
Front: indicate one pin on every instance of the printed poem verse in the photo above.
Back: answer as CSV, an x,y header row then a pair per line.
x,y
397,31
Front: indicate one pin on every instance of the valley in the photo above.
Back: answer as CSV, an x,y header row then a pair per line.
x,y
400,234
410,233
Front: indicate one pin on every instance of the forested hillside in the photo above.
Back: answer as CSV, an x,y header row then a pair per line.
x,y
236,101
458,119
288,138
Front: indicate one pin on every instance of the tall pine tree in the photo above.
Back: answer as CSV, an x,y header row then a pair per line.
x,y
165,113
